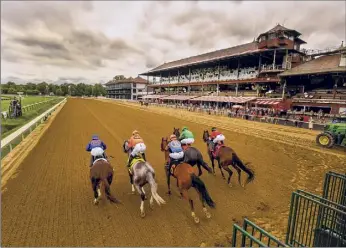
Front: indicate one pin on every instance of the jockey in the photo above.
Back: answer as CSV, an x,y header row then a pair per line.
x,y
186,137
92,148
217,137
174,148
137,145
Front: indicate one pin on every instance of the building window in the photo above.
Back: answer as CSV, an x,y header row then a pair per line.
x,y
134,85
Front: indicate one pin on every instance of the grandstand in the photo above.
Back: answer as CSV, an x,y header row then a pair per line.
x,y
260,69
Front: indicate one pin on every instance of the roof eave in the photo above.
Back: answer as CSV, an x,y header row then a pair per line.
x,y
286,74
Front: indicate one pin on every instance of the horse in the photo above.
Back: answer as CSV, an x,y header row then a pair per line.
x,y
187,178
102,172
227,156
140,174
191,156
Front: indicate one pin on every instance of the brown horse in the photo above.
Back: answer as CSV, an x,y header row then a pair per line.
x,y
101,173
226,157
186,176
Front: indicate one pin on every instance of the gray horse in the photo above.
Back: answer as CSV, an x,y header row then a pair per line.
x,y
140,174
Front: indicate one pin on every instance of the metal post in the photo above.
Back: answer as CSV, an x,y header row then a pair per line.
x,y
189,75
259,63
169,77
274,59
178,76
283,89
238,69
217,89
236,89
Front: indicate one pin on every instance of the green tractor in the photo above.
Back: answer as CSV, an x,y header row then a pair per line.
x,y
334,133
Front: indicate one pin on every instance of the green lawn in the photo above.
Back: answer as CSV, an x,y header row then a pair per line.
x,y
8,126
25,101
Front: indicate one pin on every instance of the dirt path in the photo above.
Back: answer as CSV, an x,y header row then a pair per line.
x,y
49,203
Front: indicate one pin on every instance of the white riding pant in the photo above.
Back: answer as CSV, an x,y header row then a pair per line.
x,y
97,151
139,148
177,155
187,141
219,138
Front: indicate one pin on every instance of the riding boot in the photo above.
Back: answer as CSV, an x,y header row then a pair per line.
x,y
143,156
130,160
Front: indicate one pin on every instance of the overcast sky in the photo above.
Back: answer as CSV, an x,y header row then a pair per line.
x,y
94,41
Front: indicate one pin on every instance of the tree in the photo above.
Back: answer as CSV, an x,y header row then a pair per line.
x,y
119,77
59,92
12,90
42,88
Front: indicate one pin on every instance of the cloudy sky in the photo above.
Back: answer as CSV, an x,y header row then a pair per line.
x,y
94,41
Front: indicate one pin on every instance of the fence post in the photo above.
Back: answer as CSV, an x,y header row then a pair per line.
x,y
22,136
10,147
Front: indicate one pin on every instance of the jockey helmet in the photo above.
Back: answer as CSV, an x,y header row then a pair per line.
x,y
95,137
184,128
172,137
135,132
213,129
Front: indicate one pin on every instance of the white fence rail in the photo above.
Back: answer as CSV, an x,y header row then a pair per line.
x,y
9,140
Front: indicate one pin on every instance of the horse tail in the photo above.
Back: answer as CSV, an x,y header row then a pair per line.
x,y
236,160
108,191
199,185
153,186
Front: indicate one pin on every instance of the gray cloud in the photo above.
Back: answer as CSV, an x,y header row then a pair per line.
x,y
83,38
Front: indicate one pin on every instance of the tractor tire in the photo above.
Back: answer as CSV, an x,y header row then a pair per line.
x,y
325,140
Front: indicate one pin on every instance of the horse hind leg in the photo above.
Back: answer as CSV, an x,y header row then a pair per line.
x,y
193,214
230,173
223,175
96,190
131,182
205,210
239,174
139,189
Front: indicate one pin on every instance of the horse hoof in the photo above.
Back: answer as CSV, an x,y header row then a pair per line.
x,y
196,219
96,201
151,205
208,215
133,192
168,193
142,214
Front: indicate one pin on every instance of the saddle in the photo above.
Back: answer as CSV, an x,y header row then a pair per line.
x,y
135,161
174,164
216,150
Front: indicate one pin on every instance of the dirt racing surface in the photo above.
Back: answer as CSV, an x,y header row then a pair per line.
x,y
49,202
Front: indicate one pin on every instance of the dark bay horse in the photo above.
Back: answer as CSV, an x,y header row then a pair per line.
x,y
187,177
101,173
193,156
142,173
227,156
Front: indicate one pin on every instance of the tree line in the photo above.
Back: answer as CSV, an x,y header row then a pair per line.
x,y
44,88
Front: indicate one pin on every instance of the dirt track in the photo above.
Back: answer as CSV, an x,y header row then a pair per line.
x,y
49,202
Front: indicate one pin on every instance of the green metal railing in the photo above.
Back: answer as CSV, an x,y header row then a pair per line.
x,y
315,221
334,188
251,235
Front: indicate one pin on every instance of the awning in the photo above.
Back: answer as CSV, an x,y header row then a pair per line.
x,y
178,97
225,99
268,102
153,96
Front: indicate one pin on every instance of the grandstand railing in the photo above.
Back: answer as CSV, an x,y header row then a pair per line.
x,y
16,137
251,234
315,222
334,188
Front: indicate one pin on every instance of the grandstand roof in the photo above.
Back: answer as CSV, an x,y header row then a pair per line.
x,y
129,80
211,56
323,64
278,27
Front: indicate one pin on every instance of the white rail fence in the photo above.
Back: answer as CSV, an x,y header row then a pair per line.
x,y
5,114
9,141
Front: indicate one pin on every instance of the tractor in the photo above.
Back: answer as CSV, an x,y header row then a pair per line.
x,y
334,133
